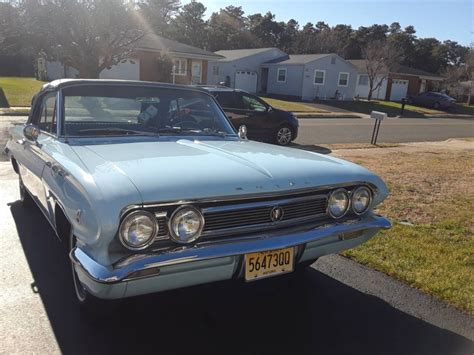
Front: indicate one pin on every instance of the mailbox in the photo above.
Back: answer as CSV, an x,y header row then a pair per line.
x,y
377,115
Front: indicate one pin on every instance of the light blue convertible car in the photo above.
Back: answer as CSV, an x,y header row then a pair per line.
x,y
154,189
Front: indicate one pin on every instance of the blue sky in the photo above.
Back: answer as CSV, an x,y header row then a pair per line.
x,y
442,19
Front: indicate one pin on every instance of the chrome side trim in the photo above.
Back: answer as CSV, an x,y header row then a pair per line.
x,y
260,242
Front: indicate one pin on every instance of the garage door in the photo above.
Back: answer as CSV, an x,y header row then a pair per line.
x,y
246,80
399,90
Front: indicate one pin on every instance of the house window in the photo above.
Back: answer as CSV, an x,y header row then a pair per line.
x,y
363,80
343,79
281,75
215,70
180,66
319,76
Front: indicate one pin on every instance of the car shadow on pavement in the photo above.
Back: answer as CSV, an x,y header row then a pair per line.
x,y
311,148
306,313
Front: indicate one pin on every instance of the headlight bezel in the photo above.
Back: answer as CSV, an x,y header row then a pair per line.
x,y
152,238
348,206
198,233
369,204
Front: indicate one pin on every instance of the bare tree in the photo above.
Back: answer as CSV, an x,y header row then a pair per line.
x,y
461,77
379,58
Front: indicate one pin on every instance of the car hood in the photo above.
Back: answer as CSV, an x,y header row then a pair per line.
x,y
183,169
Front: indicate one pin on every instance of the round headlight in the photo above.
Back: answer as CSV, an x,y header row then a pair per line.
x,y
361,198
338,203
186,224
138,230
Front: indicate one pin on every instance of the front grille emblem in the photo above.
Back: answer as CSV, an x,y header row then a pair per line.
x,y
276,214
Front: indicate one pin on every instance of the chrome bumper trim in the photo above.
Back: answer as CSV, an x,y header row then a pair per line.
x,y
259,242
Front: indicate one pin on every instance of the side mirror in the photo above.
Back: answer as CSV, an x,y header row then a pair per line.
x,y
243,132
269,108
31,132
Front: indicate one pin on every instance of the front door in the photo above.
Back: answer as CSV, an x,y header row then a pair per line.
x,y
254,114
34,155
196,72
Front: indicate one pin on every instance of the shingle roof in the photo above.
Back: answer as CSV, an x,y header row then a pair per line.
x,y
235,54
398,69
359,64
403,69
298,58
157,43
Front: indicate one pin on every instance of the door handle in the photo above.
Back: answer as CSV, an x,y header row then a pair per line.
x,y
20,141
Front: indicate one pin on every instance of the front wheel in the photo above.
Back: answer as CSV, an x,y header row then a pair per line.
x,y
284,135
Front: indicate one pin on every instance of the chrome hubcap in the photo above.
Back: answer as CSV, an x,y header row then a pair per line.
x,y
284,136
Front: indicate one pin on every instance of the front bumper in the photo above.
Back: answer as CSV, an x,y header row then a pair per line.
x,y
214,261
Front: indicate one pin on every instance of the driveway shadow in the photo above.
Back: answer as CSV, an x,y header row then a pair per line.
x,y
307,314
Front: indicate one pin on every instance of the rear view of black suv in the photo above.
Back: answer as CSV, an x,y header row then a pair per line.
x,y
264,123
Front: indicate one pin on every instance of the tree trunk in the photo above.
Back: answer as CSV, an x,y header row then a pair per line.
x,y
369,95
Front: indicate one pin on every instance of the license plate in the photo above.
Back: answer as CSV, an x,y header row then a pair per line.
x,y
268,263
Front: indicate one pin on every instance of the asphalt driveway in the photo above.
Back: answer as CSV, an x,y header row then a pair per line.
x,y
336,307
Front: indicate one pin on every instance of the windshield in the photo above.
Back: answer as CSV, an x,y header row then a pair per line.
x,y
98,110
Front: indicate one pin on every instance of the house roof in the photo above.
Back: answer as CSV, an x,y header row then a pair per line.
x,y
234,54
396,69
359,64
298,58
152,42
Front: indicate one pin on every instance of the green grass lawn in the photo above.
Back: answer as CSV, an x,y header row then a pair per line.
x,y
292,106
464,109
18,91
389,107
431,245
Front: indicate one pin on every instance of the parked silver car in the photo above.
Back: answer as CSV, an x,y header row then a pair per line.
x,y
154,190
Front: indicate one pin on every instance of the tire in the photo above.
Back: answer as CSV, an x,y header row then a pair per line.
x,y
25,197
284,135
436,105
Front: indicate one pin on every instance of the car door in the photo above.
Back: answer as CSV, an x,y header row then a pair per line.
x,y
34,157
257,114
229,103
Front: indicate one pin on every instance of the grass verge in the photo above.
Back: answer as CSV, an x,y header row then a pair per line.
x,y
391,108
19,91
292,106
431,246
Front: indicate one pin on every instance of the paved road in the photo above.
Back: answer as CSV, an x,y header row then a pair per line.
x,y
336,307
392,130
334,130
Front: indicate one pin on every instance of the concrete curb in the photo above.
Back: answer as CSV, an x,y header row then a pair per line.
x,y
321,116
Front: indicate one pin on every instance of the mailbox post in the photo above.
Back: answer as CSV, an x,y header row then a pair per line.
x,y
378,117
404,101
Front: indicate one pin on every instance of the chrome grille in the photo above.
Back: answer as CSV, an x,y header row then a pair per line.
x,y
163,227
239,218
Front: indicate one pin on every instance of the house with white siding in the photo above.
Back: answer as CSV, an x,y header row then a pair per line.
x,y
272,71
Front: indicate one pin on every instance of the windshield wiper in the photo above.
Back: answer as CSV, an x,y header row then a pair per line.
x,y
112,131
193,131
